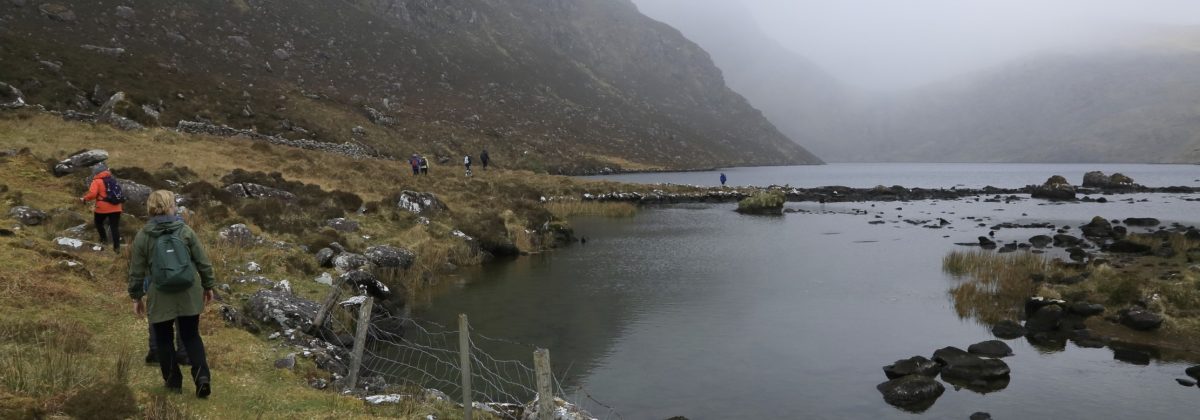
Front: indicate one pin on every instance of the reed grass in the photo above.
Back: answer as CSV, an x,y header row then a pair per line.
x,y
994,285
565,209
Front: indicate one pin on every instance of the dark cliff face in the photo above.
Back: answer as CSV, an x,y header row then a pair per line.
x,y
555,85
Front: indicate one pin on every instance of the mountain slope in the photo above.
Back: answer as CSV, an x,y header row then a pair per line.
x,y
559,86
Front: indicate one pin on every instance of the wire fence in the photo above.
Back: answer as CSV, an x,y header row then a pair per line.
x,y
417,354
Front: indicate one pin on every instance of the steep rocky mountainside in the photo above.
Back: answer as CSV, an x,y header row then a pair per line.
x,y
560,86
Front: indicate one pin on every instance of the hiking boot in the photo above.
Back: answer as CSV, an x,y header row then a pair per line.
x,y
203,387
182,359
151,358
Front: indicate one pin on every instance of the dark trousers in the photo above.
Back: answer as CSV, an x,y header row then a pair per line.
x,y
179,347
113,223
189,332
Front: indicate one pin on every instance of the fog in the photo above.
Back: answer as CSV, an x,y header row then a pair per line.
x,y
897,44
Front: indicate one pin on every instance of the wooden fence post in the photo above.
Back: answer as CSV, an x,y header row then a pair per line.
x,y
464,360
360,342
326,308
545,387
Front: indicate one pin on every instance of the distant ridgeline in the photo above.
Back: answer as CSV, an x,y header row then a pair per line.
x,y
549,85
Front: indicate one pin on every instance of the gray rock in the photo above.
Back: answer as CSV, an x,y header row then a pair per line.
x,y
79,161
974,368
1086,309
325,279
358,130
240,41
325,258
234,318
979,415
257,191
1045,319
1142,221
1099,227
384,256
28,216
1040,241
916,365
125,12
368,283
237,234
349,261
57,12
419,203
342,224
76,245
10,96
990,348
914,392
1141,319
1186,382
281,309
288,362
282,54
1064,240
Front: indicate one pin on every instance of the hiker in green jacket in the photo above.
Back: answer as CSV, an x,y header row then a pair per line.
x,y
181,282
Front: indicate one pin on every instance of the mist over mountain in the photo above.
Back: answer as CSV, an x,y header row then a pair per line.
x,y
1128,95
570,87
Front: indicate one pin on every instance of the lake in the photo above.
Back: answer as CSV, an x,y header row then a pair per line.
x,y
698,311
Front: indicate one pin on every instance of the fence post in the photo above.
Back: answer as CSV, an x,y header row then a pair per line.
x,y
326,307
545,388
360,342
464,360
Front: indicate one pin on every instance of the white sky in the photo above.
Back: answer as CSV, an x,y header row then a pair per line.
x,y
890,44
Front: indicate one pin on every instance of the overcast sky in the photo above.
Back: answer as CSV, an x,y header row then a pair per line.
x,y
889,44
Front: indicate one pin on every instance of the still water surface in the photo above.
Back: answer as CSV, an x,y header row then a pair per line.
x,y
698,311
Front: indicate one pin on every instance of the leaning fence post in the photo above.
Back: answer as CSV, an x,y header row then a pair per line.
x,y
360,342
464,359
326,307
545,389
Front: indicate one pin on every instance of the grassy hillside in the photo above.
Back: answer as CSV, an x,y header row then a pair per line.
x,y
544,85
66,331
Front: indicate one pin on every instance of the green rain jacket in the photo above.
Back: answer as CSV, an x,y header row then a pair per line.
x,y
163,306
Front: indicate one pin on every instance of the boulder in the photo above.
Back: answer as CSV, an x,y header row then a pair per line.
x,y
1098,228
986,243
1086,309
949,354
10,96
281,309
342,224
1008,330
234,318
135,194
979,415
420,203
367,283
1045,318
975,368
990,348
257,191
325,258
237,234
1095,179
1064,240
28,216
1126,246
1140,319
1193,372
1056,188
79,161
1142,221
1185,382
916,365
325,279
384,256
913,393
1040,241
349,261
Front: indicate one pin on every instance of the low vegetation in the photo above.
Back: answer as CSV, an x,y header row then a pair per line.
x,y
68,342
766,202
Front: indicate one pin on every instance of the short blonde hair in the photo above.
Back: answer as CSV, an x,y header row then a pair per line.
x,y
161,203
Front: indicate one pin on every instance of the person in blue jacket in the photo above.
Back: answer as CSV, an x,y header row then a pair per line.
x,y
723,179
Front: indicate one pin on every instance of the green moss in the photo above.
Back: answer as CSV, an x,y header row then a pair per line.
x,y
767,202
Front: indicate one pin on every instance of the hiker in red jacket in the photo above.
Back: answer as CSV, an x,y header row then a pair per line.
x,y
106,213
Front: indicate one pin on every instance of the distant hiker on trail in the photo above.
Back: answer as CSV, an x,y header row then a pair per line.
x,y
106,192
467,163
723,179
424,166
415,162
484,159
181,282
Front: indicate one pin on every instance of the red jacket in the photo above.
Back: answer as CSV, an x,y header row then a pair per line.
x,y
97,192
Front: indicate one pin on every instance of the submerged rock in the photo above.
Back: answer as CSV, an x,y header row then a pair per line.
x,y
914,393
1008,330
990,348
1186,382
